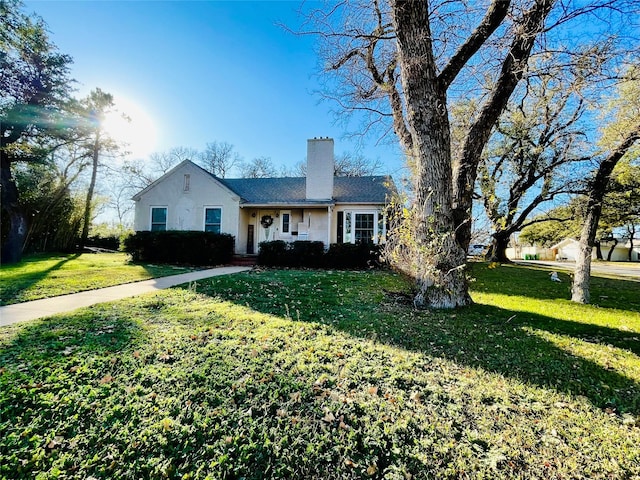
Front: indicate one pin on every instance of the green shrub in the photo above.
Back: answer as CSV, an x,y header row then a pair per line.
x,y
273,254
180,247
306,254
111,242
350,255
301,253
310,254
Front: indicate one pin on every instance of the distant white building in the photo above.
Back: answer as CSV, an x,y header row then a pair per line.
x,y
567,251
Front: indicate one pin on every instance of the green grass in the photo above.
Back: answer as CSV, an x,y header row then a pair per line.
x,y
46,275
305,374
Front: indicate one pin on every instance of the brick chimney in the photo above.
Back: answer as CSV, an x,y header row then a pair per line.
x,y
319,179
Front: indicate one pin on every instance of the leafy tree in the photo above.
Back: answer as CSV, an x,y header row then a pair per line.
x,y
620,211
97,143
34,92
533,156
621,207
54,212
553,226
618,140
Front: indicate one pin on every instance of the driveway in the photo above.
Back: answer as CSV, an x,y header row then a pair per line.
x,y
630,270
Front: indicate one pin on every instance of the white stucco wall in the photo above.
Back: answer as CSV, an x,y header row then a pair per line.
x,y
519,252
185,208
621,252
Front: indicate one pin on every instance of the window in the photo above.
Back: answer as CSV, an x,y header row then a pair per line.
x,y
347,228
285,223
364,230
212,219
360,227
187,182
158,219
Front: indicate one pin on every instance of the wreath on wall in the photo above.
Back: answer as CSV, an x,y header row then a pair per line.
x,y
266,221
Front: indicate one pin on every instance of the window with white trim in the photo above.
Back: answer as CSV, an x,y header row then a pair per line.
x,y
361,227
158,219
365,228
212,219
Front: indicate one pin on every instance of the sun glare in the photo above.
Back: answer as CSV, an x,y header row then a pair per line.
x,y
132,126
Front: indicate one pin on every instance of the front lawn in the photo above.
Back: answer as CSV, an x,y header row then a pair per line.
x,y
308,374
48,275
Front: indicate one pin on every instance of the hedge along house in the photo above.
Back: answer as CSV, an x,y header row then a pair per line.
x,y
318,207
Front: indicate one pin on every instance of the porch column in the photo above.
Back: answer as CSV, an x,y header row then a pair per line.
x,y
329,208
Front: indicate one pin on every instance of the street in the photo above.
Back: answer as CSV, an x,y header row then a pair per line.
x,y
627,270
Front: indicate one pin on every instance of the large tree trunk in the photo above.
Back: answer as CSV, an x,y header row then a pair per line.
x,y
13,216
580,288
440,262
498,249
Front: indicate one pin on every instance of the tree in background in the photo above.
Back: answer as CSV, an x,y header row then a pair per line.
x,y
534,156
54,212
260,167
162,162
139,174
621,205
618,140
346,164
218,158
620,212
97,143
558,223
34,94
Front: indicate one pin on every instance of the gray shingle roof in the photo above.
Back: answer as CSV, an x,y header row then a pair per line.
x,y
292,190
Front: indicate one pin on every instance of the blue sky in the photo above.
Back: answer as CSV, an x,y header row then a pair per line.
x,y
205,71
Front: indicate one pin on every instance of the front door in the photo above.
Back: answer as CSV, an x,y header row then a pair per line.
x,y
250,235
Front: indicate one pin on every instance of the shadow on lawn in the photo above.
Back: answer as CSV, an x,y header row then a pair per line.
x,y
511,343
14,290
93,330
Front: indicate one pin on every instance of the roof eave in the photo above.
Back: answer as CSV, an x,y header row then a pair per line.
x,y
286,204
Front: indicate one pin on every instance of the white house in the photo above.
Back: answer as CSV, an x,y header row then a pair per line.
x,y
567,250
316,207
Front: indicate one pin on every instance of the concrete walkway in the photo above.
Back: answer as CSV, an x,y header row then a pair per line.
x,y
65,303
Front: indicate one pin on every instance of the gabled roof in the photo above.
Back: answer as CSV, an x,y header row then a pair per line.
x,y
182,164
565,242
268,190
292,190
